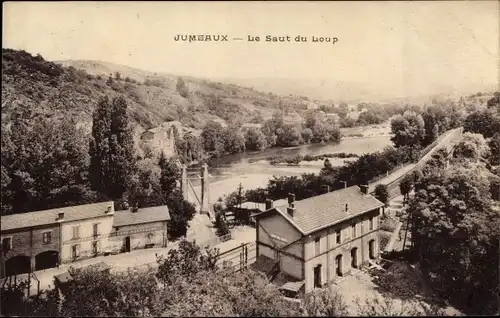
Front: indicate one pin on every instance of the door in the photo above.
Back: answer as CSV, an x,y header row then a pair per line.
x,y
354,257
338,261
371,248
317,276
127,244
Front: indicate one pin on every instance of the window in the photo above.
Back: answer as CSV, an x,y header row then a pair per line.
x,y
94,248
6,244
353,229
96,229
316,245
75,250
150,238
76,232
371,223
338,237
47,237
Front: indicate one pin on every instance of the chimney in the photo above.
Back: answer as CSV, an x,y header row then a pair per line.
x,y
291,199
291,210
364,188
346,208
108,210
269,204
60,217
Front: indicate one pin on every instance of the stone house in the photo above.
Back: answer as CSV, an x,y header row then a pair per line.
x,y
43,239
310,243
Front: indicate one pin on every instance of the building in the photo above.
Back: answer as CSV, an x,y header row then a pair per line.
x,y
318,240
29,243
143,228
84,230
161,138
43,239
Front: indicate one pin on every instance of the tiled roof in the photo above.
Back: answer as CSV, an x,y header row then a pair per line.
x,y
330,208
144,215
46,217
263,264
282,278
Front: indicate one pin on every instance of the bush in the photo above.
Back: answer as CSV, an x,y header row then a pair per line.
x,y
384,238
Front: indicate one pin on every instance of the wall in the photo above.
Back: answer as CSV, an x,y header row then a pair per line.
x,y
276,224
329,249
291,257
29,242
140,239
86,236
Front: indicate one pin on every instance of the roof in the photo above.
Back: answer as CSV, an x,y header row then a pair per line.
x,y
263,264
47,217
325,210
262,206
143,215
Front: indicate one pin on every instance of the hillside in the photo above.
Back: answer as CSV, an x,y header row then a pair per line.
x,y
73,88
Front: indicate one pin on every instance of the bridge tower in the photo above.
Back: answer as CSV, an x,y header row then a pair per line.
x,y
205,198
184,183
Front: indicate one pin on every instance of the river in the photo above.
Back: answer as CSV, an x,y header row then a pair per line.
x,y
253,171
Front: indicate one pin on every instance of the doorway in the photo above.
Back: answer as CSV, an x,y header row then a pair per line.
x,y
127,244
354,257
17,265
338,264
317,276
47,259
371,249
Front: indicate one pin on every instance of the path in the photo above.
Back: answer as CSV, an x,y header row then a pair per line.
x,y
446,141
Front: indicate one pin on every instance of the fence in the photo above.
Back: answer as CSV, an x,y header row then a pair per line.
x,y
239,257
29,279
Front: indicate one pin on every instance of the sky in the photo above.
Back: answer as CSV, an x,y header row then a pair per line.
x,y
397,47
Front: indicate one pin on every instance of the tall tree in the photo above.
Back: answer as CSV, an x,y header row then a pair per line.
x,y
111,149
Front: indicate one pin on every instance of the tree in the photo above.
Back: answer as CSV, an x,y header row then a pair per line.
x,y
453,219
233,140
169,176
494,144
212,136
325,303
472,147
255,139
405,186
388,307
181,212
408,129
485,122
44,164
381,193
111,149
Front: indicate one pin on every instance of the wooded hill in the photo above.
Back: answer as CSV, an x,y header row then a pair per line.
x,y
73,88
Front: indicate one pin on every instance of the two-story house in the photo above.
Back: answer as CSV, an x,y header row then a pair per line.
x,y
319,239
85,230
